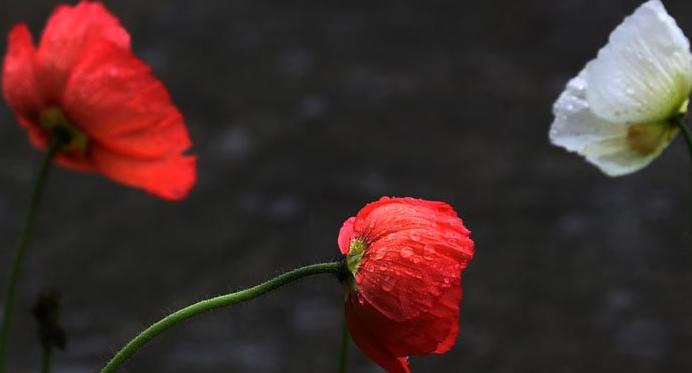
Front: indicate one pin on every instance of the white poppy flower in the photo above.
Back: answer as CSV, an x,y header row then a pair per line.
x,y
621,111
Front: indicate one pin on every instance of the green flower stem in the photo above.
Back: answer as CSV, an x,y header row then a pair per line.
x,y
20,250
46,358
213,303
343,352
686,134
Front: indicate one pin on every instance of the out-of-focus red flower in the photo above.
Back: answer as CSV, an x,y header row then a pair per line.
x,y
84,81
405,256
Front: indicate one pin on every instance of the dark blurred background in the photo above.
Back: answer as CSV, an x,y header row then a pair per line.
x,y
303,111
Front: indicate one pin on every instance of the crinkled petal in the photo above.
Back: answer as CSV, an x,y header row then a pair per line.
x,y
644,73
408,290
68,32
170,177
608,145
392,215
404,278
416,291
116,100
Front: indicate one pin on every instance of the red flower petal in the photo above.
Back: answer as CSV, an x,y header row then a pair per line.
x,y
124,122
391,215
368,341
408,282
119,104
137,134
68,32
18,78
170,177
345,234
22,92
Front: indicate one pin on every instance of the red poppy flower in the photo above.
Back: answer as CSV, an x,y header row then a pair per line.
x,y
84,81
406,256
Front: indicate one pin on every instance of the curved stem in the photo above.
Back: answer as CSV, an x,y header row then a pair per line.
x,y
20,250
343,352
46,358
685,133
213,303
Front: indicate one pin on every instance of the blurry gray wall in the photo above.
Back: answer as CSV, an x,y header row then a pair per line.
x,y
303,111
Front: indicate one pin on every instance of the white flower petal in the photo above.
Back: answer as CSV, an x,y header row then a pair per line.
x,y
616,156
607,145
575,125
644,73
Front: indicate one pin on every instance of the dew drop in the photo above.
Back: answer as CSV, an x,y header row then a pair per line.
x,y
406,252
388,283
415,236
428,252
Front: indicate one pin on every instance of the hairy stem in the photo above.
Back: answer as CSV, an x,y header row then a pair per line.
x,y
213,303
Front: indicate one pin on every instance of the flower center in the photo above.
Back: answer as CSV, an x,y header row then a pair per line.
x,y
54,121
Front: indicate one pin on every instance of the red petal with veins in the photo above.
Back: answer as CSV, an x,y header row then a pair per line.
x,y
137,135
84,67
169,177
408,291
122,106
69,31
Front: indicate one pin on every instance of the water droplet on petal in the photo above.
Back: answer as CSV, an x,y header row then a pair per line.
x,y
406,252
428,252
415,236
388,283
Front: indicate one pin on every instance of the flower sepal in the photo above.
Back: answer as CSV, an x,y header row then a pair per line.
x,y
56,124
